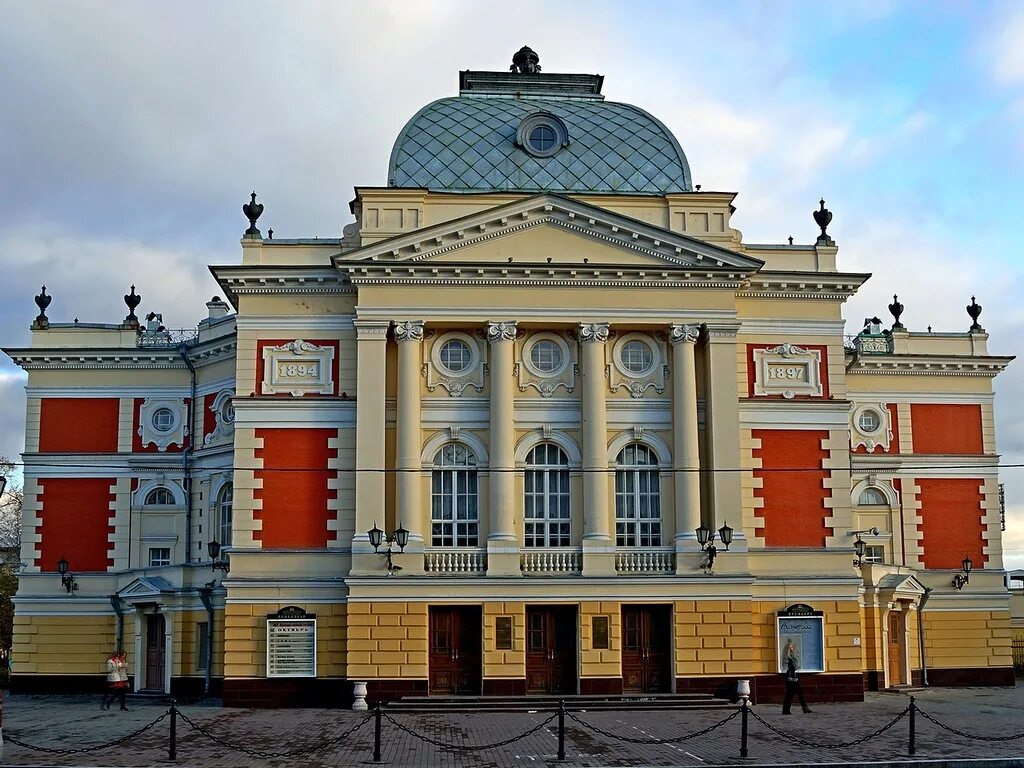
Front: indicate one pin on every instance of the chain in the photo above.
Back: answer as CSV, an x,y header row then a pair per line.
x,y
836,745
966,735
93,748
631,740
465,747
307,750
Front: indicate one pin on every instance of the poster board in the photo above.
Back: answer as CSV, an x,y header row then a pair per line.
x,y
803,628
291,643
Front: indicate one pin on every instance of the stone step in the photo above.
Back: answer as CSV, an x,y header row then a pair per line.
x,y
550,703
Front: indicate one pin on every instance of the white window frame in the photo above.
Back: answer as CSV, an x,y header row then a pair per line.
x,y
160,488
446,498
632,523
226,488
547,498
165,561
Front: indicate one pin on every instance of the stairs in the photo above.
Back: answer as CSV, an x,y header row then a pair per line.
x,y
653,701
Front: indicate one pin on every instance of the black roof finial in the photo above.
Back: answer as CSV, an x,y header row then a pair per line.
x,y
252,211
974,310
823,217
525,61
132,300
896,309
42,301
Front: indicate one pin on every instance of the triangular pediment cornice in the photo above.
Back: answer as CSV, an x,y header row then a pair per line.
x,y
146,587
665,248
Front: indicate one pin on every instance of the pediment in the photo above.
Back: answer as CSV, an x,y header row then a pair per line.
x,y
549,229
146,588
901,585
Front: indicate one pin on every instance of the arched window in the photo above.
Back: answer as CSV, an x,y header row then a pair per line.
x,y
160,497
454,514
224,499
547,497
637,498
872,497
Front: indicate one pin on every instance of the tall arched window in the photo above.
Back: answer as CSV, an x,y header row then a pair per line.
x,y
159,497
454,514
224,499
547,497
637,498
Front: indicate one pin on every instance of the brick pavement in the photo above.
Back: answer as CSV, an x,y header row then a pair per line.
x,y
592,739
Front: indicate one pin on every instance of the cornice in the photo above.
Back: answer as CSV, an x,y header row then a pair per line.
x,y
265,280
830,286
929,365
121,358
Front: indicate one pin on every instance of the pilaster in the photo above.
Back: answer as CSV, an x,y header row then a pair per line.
x,y
502,542
409,510
685,447
598,546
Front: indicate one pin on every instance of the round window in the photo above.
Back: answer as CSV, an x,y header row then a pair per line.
x,y
227,412
542,138
636,356
546,356
456,355
869,421
542,134
163,420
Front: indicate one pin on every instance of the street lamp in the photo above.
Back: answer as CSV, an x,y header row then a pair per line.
x,y
859,546
400,538
706,539
213,549
67,579
960,580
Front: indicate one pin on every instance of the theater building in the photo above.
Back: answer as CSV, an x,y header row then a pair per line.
x,y
543,360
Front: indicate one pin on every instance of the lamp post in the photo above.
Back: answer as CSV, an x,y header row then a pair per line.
x,y
399,538
859,546
706,539
961,579
67,579
213,549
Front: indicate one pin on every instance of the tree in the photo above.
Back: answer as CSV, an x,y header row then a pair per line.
x,y
10,557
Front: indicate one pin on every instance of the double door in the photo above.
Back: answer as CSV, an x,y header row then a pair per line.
x,y
646,648
455,643
551,649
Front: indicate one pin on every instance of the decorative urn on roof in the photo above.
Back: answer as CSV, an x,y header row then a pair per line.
x,y
252,211
132,300
525,61
974,312
42,301
823,217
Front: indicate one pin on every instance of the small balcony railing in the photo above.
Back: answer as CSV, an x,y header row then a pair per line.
x,y
449,562
869,343
563,560
645,560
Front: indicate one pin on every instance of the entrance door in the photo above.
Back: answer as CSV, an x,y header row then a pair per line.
x,y
155,652
895,648
646,654
551,649
455,643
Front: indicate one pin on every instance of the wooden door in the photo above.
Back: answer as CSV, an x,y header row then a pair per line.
x,y
551,650
646,649
155,652
455,651
895,648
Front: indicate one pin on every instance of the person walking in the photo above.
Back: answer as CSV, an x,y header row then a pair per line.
x,y
792,681
117,681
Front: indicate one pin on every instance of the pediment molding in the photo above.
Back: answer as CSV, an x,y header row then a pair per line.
x,y
146,588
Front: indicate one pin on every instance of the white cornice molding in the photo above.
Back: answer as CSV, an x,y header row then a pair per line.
x,y
896,396
951,465
290,323
120,358
569,315
289,413
764,326
125,390
258,279
929,365
787,414
832,286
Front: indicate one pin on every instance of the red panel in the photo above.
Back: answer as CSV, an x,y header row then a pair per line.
x,y
78,424
946,428
209,418
278,342
894,443
137,446
822,370
76,523
951,525
295,492
793,488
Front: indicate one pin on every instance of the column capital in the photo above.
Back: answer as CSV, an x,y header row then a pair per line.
x,y
502,331
590,332
722,332
408,330
680,333
371,329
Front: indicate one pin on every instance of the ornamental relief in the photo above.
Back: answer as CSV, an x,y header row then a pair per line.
x,y
454,361
163,422
224,415
546,361
870,426
787,370
639,362
298,368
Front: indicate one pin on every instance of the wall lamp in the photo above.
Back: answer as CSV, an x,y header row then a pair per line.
x,y
706,539
67,579
400,538
960,580
213,550
859,545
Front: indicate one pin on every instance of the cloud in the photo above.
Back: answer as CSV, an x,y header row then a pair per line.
x,y
1001,44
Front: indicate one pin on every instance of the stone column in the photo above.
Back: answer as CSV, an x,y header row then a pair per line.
x,y
371,345
685,446
409,510
598,546
502,542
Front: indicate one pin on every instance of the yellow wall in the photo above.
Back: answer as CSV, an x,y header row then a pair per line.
x,y
713,637
64,645
387,641
967,639
245,638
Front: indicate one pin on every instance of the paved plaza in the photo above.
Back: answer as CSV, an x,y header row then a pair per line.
x,y
597,738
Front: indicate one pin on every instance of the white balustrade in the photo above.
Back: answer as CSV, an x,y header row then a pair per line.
x,y
645,560
552,560
455,561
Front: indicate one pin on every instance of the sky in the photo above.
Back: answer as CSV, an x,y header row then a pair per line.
x,y
131,133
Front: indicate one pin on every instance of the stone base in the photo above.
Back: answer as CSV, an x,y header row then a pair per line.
x,y
967,677
600,686
332,693
503,687
771,688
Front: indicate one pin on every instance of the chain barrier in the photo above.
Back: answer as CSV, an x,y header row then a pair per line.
x,y
466,747
80,750
825,745
307,750
632,740
928,717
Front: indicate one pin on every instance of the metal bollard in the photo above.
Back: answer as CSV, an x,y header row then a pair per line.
x,y
376,732
913,707
172,748
561,730
743,730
